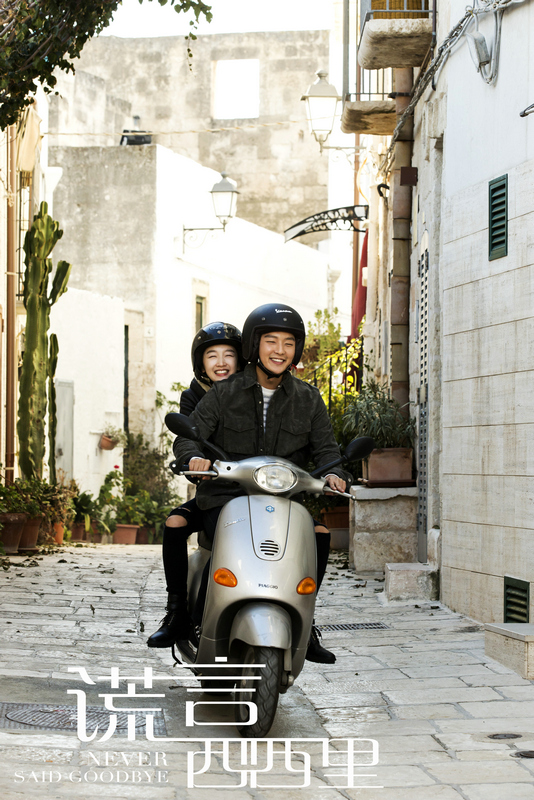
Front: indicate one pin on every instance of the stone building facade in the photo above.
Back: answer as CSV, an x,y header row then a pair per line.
x,y
449,313
269,153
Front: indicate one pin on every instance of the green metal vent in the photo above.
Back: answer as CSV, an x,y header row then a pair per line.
x,y
516,600
498,217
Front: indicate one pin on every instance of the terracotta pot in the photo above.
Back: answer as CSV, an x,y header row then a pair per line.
x,y
59,532
390,466
77,532
106,443
11,533
142,535
93,535
125,534
30,532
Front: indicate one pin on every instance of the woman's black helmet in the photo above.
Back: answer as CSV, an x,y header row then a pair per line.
x,y
272,317
214,333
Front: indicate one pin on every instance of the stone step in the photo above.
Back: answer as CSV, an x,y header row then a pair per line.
x,y
512,644
411,582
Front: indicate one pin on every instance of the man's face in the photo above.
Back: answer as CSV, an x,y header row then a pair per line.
x,y
220,361
277,351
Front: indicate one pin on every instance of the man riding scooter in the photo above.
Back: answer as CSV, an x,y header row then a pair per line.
x,y
266,411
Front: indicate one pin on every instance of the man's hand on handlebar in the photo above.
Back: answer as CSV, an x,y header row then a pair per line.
x,y
335,483
200,465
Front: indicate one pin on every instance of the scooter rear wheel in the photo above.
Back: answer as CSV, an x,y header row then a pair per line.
x,y
266,664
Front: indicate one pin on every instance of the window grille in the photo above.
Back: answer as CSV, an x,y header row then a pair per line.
x,y
498,218
516,600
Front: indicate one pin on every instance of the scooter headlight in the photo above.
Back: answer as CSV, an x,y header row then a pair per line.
x,y
274,478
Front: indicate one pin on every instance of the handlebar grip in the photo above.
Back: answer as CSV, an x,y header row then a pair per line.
x,y
195,473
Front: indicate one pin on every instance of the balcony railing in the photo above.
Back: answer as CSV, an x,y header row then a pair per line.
x,y
393,9
373,85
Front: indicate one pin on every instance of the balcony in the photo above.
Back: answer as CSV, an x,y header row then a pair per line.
x,y
370,110
394,33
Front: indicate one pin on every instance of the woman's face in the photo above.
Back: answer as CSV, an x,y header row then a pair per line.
x,y
220,361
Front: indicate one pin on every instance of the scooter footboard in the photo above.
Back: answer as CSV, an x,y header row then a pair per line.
x,y
262,624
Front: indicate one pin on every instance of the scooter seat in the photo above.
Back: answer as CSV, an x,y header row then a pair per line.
x,y
204,541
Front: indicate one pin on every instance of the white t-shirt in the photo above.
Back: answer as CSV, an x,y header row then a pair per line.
x,y
267,394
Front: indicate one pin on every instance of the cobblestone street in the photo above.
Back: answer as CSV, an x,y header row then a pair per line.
x,y
420,686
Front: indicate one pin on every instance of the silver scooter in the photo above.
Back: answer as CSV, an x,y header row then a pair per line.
x,y
261,591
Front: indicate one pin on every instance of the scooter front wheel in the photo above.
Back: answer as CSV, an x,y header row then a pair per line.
x,y
259,684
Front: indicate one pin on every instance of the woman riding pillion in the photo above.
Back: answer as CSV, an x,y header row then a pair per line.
x,y
215,355
266,411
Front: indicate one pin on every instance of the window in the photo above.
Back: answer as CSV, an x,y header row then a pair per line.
x,y
498,217
236,88
200,312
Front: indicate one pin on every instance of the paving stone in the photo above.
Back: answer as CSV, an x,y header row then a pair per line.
x,y
507,709
486,791
470,772
455,695
423,711
412,793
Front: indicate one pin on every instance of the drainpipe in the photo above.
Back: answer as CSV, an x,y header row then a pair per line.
x,y
11,289
399,275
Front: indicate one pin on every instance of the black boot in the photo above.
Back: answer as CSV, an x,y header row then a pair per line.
x,y
175,625
316,652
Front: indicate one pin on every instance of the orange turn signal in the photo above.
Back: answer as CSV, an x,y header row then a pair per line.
x,y
225,577
306,586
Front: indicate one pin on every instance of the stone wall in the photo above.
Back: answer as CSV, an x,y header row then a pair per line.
x,y
382,527
280,175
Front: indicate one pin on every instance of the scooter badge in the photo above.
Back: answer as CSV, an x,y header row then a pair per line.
x,y
270,509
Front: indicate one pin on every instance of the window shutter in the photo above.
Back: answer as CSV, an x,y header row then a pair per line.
x,y
498,217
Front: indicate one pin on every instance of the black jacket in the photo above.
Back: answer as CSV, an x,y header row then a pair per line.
x,y
190,398
231,416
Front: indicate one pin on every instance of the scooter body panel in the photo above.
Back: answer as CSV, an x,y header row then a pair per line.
x,y
269,545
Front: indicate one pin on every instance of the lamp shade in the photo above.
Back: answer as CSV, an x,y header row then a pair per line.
x,y
224,195
321,104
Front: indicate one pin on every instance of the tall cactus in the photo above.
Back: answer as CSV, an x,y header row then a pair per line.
x,y
38,244
52,407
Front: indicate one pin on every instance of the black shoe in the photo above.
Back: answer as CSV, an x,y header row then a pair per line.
x,y
316,652
175,625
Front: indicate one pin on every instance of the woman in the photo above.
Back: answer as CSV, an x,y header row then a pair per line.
x,y
215,355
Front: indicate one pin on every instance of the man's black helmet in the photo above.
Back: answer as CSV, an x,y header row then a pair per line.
x,y
214,333
272,317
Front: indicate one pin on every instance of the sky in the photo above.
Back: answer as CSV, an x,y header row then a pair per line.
x,y
133,20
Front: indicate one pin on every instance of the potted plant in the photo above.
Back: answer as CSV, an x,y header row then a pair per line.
x,y
373,413
120,512
12,517
84,510
111,437
33,494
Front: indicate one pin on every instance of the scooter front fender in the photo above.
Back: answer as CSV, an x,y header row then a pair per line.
x,y
263,624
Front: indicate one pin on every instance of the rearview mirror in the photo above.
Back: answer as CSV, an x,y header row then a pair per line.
x,y
359,448
181,425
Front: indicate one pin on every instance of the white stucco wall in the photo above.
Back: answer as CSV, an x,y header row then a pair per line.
x,y
239,269
488,324
90,331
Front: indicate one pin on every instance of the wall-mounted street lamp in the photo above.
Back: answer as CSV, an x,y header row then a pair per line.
x,y
224,195
321,106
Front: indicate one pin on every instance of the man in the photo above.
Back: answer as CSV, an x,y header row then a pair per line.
x,y
266,411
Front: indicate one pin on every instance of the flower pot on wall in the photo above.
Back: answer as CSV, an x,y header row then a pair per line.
x,y
391,466
11,533
125,534
30,532
106,443
337,517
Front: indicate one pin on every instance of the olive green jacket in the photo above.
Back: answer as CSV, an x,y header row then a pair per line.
x,y
231,416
